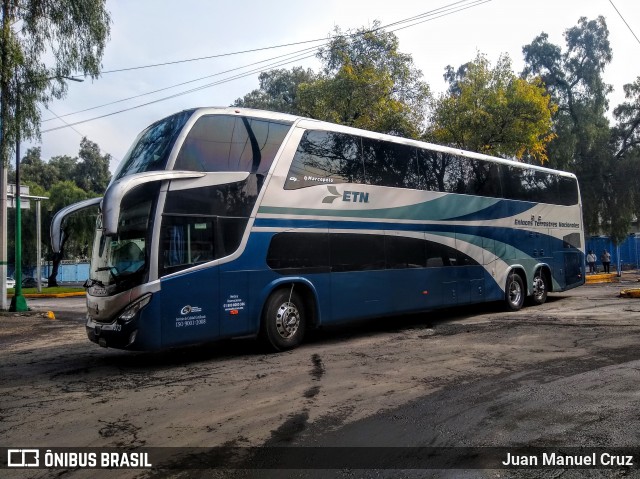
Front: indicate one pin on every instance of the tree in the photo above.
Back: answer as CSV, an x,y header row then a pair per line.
x,y
37,171
70,35
367,83
65,180
626,137
63,168
583,137
278,90
627,131
92,172
492,111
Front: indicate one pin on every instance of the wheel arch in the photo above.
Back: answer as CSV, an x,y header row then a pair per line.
x,y
520,271
303,287
545,270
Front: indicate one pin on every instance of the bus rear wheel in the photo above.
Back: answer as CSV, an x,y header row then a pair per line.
x,y
514,292
540,289
283,320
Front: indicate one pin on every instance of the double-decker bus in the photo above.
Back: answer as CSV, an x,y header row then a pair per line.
x,y
225,222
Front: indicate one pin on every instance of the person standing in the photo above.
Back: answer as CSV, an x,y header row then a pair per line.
x,y
606,260
591,261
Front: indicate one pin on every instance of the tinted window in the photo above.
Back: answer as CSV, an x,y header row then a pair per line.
x,y
439,255
356,252
152,148
403,252
324,158
567,191
483,178
185,242
233,199
386,163
206,223
329,157
538,186
299,253
432,167
291,253
231,143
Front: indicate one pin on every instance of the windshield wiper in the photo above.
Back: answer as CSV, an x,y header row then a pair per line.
x,y
90,282
111,269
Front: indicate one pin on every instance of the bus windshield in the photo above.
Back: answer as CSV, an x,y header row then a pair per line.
x,y
152,147
119,262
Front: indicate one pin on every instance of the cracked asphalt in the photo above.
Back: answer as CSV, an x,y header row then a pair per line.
x,y
562,374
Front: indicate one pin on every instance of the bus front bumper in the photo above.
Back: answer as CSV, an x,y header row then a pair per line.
x,y
114,334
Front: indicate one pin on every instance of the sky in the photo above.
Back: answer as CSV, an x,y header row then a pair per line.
x,y
150,32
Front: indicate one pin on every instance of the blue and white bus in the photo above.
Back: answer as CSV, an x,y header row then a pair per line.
x,y
225,222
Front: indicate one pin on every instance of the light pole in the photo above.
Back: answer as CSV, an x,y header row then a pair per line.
x,y
18,302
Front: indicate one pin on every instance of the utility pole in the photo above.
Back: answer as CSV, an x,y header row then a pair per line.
x,y
18,302
4,112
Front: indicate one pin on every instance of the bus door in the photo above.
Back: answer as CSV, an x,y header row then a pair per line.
x,y
189,285
568,259
199,225
189,308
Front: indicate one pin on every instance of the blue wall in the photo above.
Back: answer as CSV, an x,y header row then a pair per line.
x,y
67,273
629,251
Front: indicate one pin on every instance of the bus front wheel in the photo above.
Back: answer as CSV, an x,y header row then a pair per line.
x,y
283,320
514,293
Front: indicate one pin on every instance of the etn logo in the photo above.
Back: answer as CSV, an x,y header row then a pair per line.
x,y
349,196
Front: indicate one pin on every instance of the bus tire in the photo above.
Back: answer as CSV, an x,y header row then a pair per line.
x,y
540,288
283,320
514,292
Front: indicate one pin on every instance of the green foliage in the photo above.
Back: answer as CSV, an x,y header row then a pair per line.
x,y
64,180
278,90
492,111
626,138
92,172
627,132
366,82
583,136
69,34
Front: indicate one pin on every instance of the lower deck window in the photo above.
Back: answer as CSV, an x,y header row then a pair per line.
x,y
291,253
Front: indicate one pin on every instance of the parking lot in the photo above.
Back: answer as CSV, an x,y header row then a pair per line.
x,y
564,374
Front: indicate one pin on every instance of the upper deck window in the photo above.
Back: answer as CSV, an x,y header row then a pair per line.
x,y
231,143
326,157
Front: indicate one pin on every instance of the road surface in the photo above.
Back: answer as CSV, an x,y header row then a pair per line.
x,y
564,374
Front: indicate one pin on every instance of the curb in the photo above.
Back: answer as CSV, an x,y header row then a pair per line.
x,y
51,295
29,314
602,278
630,293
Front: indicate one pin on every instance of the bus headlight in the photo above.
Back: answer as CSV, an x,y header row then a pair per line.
x,y
131,311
